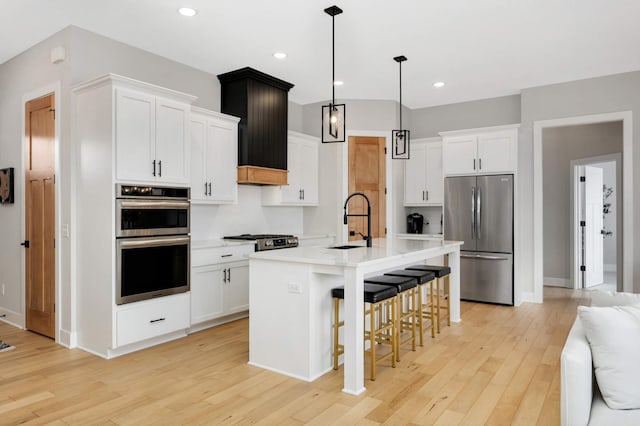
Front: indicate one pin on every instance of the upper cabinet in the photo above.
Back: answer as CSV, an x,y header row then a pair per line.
x,y
151,134
302,159
423,173
214,157
480,151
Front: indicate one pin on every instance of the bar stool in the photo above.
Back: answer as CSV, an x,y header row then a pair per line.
x,y
382,311
426,309
405,319
441,291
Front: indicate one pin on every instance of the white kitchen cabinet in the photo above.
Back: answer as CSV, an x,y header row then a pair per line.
x,y
151,138
302,162
219,284
119,127
480,151
424,184
214,157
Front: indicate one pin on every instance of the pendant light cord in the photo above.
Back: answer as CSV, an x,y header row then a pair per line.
x,y
400,95
333,60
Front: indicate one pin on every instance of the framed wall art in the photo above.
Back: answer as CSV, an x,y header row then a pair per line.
x,y
6,185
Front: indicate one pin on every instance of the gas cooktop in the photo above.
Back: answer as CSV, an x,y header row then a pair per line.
x,y
267,241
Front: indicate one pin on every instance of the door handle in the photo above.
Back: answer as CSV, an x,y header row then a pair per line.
x,y
484,257
224,275
480,163
154,167
157,320
474,164
473,213
478,213
209,188
427,195
205,189
229,274
303,194
160,168
25,243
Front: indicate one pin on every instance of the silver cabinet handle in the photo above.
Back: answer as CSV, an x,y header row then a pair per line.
x,y
481,256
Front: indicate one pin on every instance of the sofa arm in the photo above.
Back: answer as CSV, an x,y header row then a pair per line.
x,y
576,378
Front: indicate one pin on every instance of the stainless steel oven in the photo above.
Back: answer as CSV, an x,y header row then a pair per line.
x,y
147,210
152,242
152,267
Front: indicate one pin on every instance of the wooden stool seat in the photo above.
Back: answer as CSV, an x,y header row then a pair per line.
x,y
382,313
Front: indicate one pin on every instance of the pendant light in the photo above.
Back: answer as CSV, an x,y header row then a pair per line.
x,y
400,138
333,124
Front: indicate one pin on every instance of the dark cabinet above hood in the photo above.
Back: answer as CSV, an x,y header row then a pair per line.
x,y
261,102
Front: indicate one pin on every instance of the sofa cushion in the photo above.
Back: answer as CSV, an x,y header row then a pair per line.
x,y
613,334
602,415
612,298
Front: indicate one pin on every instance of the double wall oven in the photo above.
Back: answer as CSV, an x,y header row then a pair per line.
x,y
152,242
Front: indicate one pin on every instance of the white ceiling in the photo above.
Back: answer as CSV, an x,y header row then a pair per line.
x,y
480,48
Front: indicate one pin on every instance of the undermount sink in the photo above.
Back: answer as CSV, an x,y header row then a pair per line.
x,y
345,247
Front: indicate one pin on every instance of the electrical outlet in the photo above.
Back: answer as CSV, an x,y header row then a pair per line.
x,y
295,288
65,230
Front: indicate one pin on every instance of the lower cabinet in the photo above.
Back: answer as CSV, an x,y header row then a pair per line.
x,y
136,322
219,290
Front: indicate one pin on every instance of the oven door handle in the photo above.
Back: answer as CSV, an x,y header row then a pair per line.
x,y
154,204
152,242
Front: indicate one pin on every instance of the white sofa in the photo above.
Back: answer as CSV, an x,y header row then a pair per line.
x,y
580,400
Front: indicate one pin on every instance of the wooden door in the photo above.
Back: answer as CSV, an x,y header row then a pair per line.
x,y
367,175
40,215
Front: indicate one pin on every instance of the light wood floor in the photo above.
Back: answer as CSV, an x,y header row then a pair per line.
x,y
499,366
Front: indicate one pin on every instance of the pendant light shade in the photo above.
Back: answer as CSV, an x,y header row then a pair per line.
x,y
400,138
333,123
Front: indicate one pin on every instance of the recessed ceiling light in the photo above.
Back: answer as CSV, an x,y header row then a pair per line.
x,y
338,83
438,84
279,55
187,11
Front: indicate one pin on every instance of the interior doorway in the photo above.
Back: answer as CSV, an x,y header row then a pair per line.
x,y
367,174
596,183
39,244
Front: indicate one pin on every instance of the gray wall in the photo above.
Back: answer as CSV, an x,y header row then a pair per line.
x,y
610,221
560,146
620,92
428,122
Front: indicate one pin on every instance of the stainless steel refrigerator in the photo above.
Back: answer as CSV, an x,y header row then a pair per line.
x,y
479,211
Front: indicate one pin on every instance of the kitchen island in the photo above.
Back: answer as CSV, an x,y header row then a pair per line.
x,y
290,320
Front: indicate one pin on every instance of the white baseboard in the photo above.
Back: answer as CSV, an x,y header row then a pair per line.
x,y
610,267
10,317
68,339
526,296
558,282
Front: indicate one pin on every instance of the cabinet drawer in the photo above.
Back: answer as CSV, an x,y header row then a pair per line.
x,y
152,318
211,256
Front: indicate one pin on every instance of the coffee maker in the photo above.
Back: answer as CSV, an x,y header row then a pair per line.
x,y
414,223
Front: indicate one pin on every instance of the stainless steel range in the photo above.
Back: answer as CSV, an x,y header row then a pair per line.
x,y
268,241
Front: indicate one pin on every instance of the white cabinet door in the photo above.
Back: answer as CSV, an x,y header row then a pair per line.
x,y
497,152
309,172
459,155
135,136
222,160
415,176
237,289
172,141
292,193
207,293
199,187
434,179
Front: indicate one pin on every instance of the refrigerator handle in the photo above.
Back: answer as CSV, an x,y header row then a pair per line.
x,y
478,213
473,212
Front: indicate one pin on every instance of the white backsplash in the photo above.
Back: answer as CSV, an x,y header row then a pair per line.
x,y
246,217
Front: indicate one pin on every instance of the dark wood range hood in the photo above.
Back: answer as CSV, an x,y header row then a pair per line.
x,y
261,102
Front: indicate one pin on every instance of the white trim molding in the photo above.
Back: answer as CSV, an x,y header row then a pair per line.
x,y
627,183
557,282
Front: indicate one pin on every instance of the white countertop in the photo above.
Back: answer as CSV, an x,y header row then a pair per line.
x,y
382,249
421,236
205,244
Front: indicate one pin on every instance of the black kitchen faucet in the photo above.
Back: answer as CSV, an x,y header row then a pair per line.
x,y
368,215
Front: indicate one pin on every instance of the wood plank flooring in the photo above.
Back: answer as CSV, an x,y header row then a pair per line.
x,y
499,366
